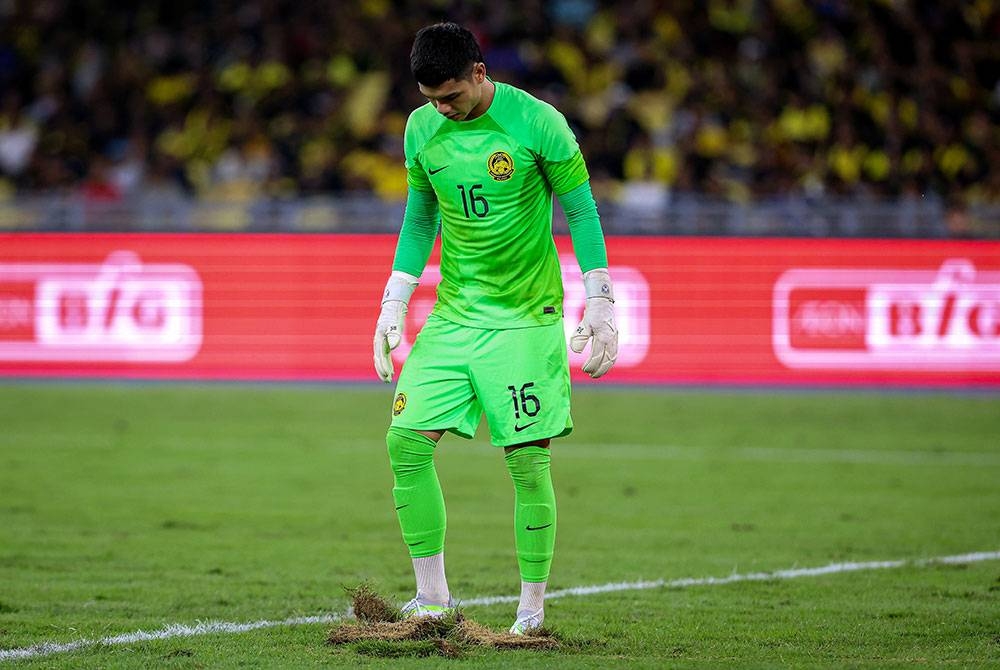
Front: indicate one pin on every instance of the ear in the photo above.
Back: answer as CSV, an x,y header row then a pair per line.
x,y
479,73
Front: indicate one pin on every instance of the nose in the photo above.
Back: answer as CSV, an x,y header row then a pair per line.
x,y
444,108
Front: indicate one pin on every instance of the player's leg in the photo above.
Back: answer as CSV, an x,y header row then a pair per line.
x,y
420,509
534,528
433,596
522,379
433,395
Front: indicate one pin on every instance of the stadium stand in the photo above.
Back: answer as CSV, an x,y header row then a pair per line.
x,y
809,117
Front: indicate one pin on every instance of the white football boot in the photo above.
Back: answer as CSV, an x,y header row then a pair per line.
x,y
527,622
418,608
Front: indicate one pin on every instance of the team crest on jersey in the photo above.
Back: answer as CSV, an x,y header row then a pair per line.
x,y
501,165
399,404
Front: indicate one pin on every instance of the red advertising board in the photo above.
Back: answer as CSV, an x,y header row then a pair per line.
x,y
690,310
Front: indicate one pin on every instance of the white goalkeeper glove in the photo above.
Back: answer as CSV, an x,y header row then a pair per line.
x,y
598,324
389,327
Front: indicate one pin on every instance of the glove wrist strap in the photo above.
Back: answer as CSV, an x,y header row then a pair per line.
x,y
399,287
597,284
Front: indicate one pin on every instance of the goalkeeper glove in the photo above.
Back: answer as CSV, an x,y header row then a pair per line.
x,y
598,323
389,327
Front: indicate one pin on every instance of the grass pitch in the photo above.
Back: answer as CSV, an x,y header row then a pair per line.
x,y
134,507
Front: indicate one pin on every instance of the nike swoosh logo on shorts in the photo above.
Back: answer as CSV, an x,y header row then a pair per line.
x,y
518,429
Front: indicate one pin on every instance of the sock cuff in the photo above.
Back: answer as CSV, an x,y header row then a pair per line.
x,y
523,452
409,452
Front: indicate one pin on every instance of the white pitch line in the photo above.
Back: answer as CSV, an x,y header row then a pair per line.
x,y
167,632
792,573
207,628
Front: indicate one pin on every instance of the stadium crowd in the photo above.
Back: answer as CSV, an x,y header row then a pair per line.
x,y
738,99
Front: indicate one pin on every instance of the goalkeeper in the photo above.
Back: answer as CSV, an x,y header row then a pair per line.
x,y
483,158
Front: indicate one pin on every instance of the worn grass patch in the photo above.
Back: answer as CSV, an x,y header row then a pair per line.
x,y
380,630
471,633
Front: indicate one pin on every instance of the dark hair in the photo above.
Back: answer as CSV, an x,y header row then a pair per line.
x,y
443,51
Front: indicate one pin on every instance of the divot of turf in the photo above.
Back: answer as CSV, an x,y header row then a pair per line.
x,y
380,630
472,633
417,628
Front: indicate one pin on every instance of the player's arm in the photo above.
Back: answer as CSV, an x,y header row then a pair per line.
x,y
413,248
598,315
565,169
420,229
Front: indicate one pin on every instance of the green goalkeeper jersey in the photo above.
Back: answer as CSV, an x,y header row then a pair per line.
x,y
493,178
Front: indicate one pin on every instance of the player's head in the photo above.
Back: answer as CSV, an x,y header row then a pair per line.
x,y
443,51
448,65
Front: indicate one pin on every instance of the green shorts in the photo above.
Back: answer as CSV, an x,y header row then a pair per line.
x,y
518,378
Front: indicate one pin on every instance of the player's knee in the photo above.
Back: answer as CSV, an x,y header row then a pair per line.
x,y
529,467
409,451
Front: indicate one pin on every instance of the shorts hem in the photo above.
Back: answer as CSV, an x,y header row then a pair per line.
x,y
520,439
454,431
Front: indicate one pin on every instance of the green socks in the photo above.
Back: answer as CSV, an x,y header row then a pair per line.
x,y
534,511
420,503
417,492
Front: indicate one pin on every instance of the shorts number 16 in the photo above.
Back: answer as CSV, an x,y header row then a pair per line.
x,y
524,402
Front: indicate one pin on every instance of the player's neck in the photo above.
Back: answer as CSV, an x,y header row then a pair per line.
x,y
489,90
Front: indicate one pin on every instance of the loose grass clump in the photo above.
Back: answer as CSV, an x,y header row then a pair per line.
x,y
369,606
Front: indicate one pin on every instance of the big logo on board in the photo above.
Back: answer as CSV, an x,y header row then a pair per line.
x,y
632,311
119,310
907,320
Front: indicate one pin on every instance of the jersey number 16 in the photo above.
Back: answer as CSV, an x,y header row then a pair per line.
x,y
472,202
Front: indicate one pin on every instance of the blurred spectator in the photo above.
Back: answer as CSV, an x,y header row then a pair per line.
x,y
18,135
98,186
738,99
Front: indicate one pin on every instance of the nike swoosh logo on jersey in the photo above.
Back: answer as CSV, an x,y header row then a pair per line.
x,y
433,172
518,429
